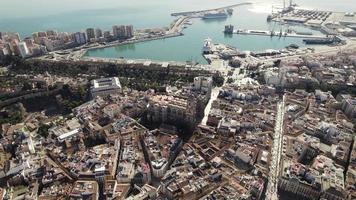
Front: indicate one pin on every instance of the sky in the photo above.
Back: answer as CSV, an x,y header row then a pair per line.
x,y
35,8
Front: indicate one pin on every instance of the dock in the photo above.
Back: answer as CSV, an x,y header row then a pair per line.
x,y
199,13
277,34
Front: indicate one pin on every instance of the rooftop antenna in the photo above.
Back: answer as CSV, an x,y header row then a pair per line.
x,y
290,3
284,4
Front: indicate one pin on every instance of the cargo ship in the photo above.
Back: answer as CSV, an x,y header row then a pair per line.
x,y
319,41
215,15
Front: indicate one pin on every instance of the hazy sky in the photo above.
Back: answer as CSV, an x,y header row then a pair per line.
x,y
25,8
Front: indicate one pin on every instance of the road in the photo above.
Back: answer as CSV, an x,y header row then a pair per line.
x,y
272,186
213,97
178,25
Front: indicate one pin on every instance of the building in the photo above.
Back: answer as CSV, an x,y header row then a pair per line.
x,y
105,86
107,35
90,34
349,107
129,31
98,33
24,52
80,38
171,109
85,190
119,32
52,33
203,84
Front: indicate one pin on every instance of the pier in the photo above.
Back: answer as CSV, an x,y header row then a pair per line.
x,y
277,34
200,13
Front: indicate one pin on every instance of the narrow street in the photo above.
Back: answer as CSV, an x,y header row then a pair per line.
x,y
272,187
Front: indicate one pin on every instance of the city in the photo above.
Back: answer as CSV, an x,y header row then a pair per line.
x,y
276,123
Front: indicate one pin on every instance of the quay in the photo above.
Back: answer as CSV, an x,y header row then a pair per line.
x,y
200,13
77,53
276,34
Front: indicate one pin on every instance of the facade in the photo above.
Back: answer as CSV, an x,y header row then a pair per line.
x,y
349,107
24,52
129,31
171,109
122,32
90,34
52,33
203,84
80,38
119,32
105,86
98,33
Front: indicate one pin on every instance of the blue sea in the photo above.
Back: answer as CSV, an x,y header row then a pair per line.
x,y
30,16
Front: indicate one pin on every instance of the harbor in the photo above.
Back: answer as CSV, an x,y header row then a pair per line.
x,y
273,35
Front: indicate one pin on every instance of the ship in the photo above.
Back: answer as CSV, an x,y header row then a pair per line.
x,y
215,15
319,41
207,47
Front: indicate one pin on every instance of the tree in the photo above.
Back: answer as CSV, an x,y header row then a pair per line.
x,y
230,80
218,80
26,86
43,130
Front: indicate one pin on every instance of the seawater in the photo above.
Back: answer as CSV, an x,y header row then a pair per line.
x,y
30,16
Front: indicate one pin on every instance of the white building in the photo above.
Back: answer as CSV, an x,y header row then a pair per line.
x,y
23,49
159,167
203,84
105,86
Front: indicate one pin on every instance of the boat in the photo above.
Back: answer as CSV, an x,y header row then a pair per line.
x,y
207,47
215,15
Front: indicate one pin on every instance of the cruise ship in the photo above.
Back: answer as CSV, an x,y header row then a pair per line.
x,y
207,47
215,15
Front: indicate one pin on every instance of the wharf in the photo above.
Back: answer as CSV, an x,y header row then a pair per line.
x,y
277,34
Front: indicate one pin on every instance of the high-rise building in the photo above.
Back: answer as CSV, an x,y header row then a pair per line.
x,y
24,52
119,32
98,33
0,35
29,42
129,31
80,38
107,34
203,84
90,33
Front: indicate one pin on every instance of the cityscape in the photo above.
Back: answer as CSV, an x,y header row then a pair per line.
x,y
229,100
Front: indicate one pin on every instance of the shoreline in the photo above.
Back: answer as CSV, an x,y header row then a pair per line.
x,y
117,43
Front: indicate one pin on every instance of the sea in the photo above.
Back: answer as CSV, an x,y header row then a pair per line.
x,y
30,16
